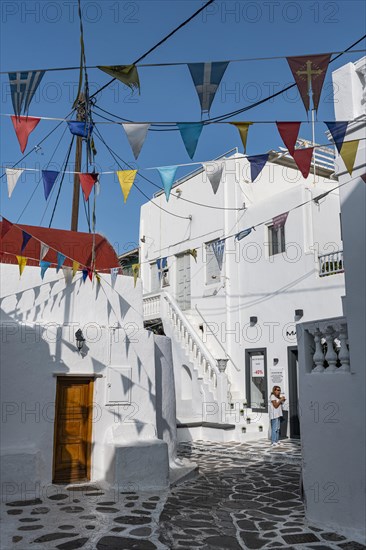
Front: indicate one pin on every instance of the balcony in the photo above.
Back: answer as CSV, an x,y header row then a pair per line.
x,y
151,305
331,264
323,346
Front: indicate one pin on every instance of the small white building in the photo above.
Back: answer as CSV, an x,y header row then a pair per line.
x,y
105,413
332,352
234,329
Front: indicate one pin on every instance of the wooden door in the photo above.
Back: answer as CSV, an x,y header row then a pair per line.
x,y
184,281
73,427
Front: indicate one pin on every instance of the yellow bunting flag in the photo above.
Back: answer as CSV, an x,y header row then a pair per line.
x,y
75,267
97,276
348,154
127,74
193,252
22,262
135,271
243,128
126,179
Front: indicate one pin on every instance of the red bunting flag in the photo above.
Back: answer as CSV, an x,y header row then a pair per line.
x,y
289,132
5,227
309,73
87,182
23,126
303,157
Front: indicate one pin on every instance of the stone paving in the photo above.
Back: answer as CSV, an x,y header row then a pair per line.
x,y
245,497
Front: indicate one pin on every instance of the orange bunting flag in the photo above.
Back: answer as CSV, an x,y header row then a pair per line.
x,y
22,262
135,271
348,153
23,126
243,128
126,179
87,182
309,74
303,157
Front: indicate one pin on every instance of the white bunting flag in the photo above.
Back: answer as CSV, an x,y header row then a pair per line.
x,y
214,172
67,271
44,250
136,135
12,176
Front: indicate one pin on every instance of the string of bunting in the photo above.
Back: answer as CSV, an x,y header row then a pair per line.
x,y
214,169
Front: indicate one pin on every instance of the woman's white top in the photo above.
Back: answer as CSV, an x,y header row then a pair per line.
x,y
273,412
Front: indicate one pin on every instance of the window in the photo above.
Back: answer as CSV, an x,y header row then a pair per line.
x,y
256,379
276,240
212,266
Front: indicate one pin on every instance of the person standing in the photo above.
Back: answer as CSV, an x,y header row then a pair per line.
x,y
275,414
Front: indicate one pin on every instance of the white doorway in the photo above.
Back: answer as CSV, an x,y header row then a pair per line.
x,y
184,281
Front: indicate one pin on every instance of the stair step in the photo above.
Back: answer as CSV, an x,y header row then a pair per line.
x,y
215,425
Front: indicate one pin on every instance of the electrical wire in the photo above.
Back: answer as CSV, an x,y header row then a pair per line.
x,y
142,193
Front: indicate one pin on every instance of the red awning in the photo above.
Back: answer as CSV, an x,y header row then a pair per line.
x,y
74,245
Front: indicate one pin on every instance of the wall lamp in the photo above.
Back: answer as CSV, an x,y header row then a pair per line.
x,y
79,339
298,314
253,321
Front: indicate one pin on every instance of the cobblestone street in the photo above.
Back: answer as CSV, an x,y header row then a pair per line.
x,y
247,496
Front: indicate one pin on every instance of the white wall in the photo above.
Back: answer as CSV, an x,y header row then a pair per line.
x,y
333,405
38,345
251,283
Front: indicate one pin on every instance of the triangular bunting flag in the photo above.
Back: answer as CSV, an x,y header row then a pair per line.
x,y
303,157
348,154
67,271
44,251
206,78
279,221
44,266
289,132
90,274
164,262
309,73
60,260
23,86
22,262
26,239
362,177
158,265
80,128
75,267
135,272
12,176
243,128
97,276
23,126
190,132
214,172
257,164
127,74
338,131
5,227
49,178
136,135
87,182
85,274
239,236
167,174
126,179
218,248
193,252
114,273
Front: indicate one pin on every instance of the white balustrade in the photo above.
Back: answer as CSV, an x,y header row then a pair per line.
x,y
151,305
331,264
325,346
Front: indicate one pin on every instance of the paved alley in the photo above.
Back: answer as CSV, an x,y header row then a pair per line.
x,y
247,496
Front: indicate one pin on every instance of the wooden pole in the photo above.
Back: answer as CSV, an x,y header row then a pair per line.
x,y
78,158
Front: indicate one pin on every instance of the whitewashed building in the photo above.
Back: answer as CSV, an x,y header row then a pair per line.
x,y
105,413
332,353
234,330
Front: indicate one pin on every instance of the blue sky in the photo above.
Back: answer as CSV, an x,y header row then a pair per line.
x,y
45,34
